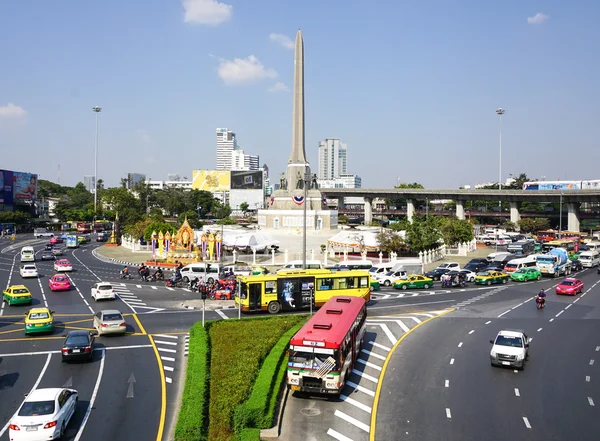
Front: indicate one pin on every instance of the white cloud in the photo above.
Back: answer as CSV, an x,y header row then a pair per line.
x,y
144,137
283,40
538,18
279,87
12,111
208,12
244,71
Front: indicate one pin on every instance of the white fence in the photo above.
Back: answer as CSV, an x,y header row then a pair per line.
x,y
134,245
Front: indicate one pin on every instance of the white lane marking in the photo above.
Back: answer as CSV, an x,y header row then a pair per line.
x,y
93,397
372,354
516,306
81,294
568,306
365,376
551,320
517,393
530,339
539,329
526,421
351,420
23,354
173,351
168,368
355,403
505,312
43,294
447,383
337,435
559,313
385,348
360,388
173,289
167,358
591,401
222,314
175,337
385,297
471,331
35,385
448,413
488,322
452,361
387,332
460,344
597,348
168,380
123,347
154,287
368,363
576,300
161,342
587,378
591,362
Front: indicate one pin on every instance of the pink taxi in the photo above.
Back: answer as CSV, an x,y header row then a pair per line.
x,y
59,282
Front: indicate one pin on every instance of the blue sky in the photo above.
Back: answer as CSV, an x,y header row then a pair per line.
x,y
411,87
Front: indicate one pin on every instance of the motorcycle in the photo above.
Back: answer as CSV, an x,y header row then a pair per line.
x,y
177,284
123,275
540,302
155,277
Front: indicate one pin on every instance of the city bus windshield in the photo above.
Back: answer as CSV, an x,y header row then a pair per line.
x,y
310,360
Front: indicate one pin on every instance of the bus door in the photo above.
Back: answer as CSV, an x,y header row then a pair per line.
x,y
254,296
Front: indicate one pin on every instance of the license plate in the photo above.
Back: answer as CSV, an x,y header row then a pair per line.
x,y
506,363
31,429
295,387
39,324
114,325
76,351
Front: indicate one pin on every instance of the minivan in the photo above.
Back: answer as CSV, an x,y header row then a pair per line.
x,y
517,264
590,258
381,269
209,272
299,264
27,254
355,265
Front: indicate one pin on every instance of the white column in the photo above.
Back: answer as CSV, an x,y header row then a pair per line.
x,y
573,216
380,257
234,255
285,256
272,256
410,210
312,254
325,258
253,256
460,210
368,210
515,215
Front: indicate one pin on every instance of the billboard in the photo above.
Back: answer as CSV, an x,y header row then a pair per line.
x,y
6,187
25,186
247,180
254,198
210,180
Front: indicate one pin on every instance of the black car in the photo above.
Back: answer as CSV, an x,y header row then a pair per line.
x,y
478,260
102,237
436,273
476,266
48,247
576,265
78,345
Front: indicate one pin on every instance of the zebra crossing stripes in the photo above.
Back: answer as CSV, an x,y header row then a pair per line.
x,y
167,346
479,297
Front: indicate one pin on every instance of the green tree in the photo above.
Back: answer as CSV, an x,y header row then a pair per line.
x,y
343,219
533,224
390,240
244,207
399,202
517,183
192,218
158,227
455,230
423,234
16,217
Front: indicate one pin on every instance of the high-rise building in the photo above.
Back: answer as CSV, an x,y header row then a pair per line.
x,y
88,181
242,161
332,159
252,162
226,144
134,178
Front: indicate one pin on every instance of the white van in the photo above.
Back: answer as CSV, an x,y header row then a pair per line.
x,y
27,254
381,269
517,264
299,264
208,272
590,258
593,246
355,265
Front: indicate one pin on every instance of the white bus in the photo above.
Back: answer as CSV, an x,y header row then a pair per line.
x,y
27,254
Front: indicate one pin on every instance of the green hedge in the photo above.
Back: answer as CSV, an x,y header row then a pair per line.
x,y
191,423
258,411
237,351
250,435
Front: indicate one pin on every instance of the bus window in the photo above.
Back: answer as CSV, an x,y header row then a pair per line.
x,y
364,282
270,287
341,283
349,282
324,284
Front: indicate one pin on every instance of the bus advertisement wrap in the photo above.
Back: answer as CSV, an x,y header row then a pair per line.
x,y
295,293
6,187
247,180
25,186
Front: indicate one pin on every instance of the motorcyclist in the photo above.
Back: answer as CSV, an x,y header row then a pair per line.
x,y
158,274
541,297
125,272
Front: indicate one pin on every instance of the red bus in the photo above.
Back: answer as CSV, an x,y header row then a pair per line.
x,y
323,352
84,227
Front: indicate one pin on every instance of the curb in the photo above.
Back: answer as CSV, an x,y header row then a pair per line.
x,y
107,259
274,432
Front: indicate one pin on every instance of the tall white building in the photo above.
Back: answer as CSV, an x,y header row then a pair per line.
x,y
332,159
226,144
252,162
242,161
88,181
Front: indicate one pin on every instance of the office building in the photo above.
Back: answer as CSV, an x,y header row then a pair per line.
x,y
161,185
242,161
344,181
88,181
133,179
332,159
226,144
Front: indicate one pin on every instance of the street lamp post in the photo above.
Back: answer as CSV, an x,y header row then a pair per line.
x,y
97,110
560,217
500,112
306,184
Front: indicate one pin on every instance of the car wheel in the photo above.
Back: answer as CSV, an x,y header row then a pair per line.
x,y
472,279
404,286
274,307
387,283
426,286
504,280
489,282
210,280
186,280
538,277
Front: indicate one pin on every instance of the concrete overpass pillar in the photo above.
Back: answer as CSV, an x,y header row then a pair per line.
x,y
460,209
341,204
573,216
368,210
515,215
410,210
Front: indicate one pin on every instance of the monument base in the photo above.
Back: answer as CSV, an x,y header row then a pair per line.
x,y
316,220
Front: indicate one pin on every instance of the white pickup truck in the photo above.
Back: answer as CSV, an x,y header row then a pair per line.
x,y
42,232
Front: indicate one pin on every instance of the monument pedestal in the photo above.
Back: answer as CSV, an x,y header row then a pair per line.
x,y
287,212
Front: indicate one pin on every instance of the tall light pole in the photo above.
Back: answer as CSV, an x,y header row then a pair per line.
x,y
560,217
97,110
500,112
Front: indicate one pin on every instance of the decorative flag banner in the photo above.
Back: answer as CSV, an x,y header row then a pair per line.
x,y
324,200
272,199
298,200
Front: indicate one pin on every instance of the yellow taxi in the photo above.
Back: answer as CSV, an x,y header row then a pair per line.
x,y
38,320
17,295
489,277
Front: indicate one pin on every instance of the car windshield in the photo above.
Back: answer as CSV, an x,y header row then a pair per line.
x,y
35,408
515,342
309,360
567,282
521,271
38,315
29,267
484,273
112,317
77,340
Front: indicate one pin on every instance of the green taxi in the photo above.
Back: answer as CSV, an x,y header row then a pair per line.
x,y
490,277
526,274
38,320
413,281
17,295
374,285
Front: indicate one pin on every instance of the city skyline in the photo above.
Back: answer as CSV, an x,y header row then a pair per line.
x,y
383,91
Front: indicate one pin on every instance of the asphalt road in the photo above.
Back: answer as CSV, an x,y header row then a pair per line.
x,y
439,383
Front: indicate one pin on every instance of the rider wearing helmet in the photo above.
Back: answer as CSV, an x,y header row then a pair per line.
x,y
541,297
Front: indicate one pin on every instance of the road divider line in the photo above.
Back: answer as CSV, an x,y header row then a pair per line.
x,y
539,329
517,393
471,331
365,376
384,368
385,348
352,421
591,401
505,312
488,322
137,320
452,361
460,344
551,320
526,421
337,435
372,354
221,314
163,391
387,332
93,397
161,342
448,413
367,363
597,348
447,383
591,362
355,403
360,388
587,378
166,336
162,357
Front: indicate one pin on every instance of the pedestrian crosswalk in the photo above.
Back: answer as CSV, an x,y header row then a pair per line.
x,y
169,347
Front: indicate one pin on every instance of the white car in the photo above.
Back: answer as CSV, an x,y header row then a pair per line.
x,y
103,290
510,348
390,277
469,275
44,415
62,265
28,271
450,265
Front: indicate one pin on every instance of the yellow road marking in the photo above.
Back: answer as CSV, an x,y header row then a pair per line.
x,y
383,369
12,330
78,329
163,392
55,315
31,339
135,317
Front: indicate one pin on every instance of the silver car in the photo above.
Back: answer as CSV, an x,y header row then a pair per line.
x,y
109,321
103,290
